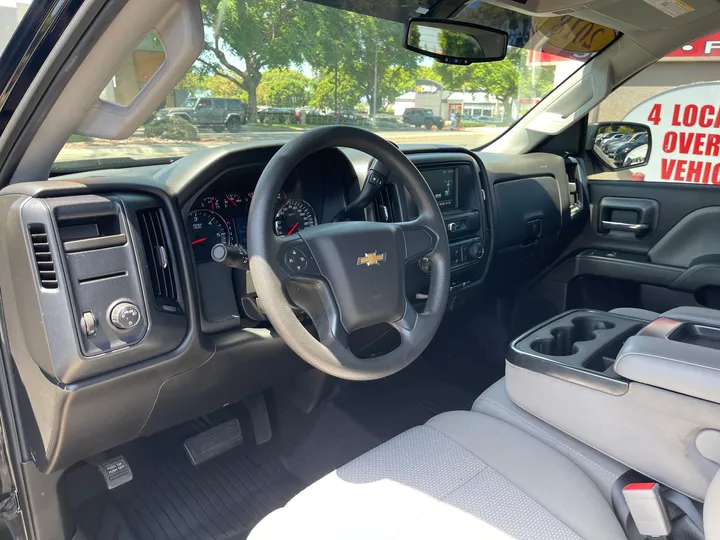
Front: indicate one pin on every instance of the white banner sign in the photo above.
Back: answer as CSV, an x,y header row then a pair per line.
x,y
685,129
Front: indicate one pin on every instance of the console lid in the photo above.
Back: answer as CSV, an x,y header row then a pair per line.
x,y
679,352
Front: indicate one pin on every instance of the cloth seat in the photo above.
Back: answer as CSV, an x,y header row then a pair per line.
x,y
461,475
601,469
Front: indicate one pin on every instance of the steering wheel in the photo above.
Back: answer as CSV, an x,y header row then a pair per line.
x,y
347,276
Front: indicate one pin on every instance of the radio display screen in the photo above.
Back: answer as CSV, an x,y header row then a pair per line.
x,y
442,184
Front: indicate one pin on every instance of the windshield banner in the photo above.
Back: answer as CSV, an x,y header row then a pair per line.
x,y
685,127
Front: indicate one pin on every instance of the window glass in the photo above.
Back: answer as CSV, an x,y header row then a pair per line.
x,y
234,105
678,98
341,65
11,13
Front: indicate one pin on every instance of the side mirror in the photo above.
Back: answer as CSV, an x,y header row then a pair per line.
x,y
454,42
620,145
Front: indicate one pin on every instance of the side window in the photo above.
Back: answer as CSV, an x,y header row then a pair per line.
x,y
204,104
678,98
219,104
234,105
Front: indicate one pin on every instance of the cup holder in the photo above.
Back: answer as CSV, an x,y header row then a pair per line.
x,y
564,338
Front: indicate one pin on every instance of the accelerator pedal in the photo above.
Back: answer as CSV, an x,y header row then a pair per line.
x,y
259,417
213,442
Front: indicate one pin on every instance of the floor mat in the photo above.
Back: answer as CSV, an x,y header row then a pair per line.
x,y
170,499
364,415
224,498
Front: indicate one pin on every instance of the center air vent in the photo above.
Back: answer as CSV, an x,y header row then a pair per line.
x,y
385,204
157,253
43,257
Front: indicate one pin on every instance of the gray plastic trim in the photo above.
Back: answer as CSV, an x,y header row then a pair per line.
x,y
694,236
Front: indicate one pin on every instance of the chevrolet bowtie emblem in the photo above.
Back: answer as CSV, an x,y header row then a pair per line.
x,y
371,259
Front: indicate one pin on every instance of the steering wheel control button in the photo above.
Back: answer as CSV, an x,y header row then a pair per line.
x,y
125,316
89,323
296,259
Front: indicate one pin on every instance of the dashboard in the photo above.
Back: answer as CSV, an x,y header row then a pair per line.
x,y
147,331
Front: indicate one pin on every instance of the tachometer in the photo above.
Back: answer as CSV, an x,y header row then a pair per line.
x,y
211,203
206,228
294,216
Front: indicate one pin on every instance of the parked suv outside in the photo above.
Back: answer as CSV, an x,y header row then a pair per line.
x,y
417,117
215,113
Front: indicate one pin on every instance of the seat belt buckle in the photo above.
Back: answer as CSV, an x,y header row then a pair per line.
x,y
647,508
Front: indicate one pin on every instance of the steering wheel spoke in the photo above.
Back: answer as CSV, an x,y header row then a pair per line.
x,y
408,321
315,298
420,239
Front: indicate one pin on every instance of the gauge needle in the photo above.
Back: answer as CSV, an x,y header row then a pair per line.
x,y
293,228
198,241
229,199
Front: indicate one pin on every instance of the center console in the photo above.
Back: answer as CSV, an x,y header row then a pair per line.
x,y
645,393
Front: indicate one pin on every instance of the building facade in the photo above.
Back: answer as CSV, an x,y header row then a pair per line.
x,y
432,95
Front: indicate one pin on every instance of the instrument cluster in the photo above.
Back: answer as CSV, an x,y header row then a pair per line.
x,y
222,218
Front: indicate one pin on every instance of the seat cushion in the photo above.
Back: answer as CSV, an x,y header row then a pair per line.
x,y
601,469
462,475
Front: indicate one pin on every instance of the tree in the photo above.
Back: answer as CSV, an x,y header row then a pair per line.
x,y
199,84
194,82
247,37
352,46
325,90
283,88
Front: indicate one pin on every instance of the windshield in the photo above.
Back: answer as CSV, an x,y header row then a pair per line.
x,y
331,66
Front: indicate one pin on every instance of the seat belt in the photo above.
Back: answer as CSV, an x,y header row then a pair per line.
x,y
685,519
686,505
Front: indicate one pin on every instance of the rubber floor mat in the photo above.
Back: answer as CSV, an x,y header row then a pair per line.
x,y
170,499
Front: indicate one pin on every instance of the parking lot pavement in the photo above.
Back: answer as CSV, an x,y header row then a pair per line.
x,y
139,147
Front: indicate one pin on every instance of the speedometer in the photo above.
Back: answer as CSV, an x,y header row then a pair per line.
x,y
206,228
294,216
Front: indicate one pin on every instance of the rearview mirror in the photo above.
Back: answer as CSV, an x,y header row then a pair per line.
x,y
455,42
620,145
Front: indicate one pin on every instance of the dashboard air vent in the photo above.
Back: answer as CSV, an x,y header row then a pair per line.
x,y
43,257
385,208
157,253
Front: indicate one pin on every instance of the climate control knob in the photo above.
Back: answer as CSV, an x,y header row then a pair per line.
x,y
125,316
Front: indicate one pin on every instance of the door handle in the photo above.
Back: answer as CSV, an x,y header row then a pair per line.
x,y
625,227
627,215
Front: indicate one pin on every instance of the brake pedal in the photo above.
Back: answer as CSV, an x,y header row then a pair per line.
x,y
213,442
115,471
